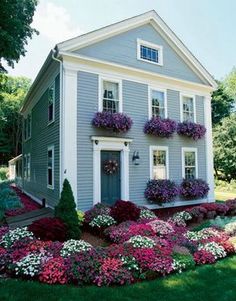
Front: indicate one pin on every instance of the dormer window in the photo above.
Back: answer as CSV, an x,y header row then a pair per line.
x,y
149,52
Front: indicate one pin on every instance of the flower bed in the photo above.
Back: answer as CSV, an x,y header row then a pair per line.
x,y
159,127
117,122
192,130
144,248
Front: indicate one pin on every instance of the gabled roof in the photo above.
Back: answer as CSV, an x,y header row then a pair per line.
x,y
150,17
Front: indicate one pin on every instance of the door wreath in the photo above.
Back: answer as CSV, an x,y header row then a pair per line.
x,y
110,167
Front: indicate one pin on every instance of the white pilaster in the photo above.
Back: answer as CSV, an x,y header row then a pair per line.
x,y
69,116
209,149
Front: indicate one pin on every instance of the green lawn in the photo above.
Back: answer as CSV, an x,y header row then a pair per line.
x,y
223,195
206,283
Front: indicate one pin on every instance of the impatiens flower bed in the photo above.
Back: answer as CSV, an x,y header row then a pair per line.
x,y
143,248
163,128
117,122
192,130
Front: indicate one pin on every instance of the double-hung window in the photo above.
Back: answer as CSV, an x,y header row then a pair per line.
x,y
188,108
189,163
159,162
158,103
149,52
51,103
110,96
27,164
50,168
27,127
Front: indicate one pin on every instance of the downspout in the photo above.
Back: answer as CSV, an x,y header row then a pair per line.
x,y
61,120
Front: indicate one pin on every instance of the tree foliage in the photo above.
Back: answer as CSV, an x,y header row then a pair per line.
x,y
230,83
225,146
12,94
221,104
15,19
66,211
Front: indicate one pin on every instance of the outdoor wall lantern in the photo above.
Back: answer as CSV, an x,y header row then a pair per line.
x,y
136,158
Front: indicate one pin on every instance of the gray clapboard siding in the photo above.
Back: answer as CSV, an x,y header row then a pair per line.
x,y
135,105
42,136
122,49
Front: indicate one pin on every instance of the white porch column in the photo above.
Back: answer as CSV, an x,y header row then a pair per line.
x,y
69,129
209,149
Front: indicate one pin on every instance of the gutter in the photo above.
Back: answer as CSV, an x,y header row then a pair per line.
x,y
61,118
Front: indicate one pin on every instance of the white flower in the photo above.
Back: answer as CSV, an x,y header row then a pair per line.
x,y
73,246
13,235
214,248
102,221
139,241
28,265
147,214
180,218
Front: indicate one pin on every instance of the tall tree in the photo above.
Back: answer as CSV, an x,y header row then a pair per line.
x,y
224,147
221,104
230,83
13,91
15,19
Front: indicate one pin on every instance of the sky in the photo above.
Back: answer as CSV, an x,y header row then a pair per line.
x,y
206,27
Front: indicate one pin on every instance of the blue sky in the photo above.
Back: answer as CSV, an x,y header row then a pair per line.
x,y
207,27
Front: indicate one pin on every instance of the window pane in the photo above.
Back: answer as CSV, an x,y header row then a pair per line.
x,y
110,90
50,112
188,110
50,95
190,173
49,176
29,126
149,54
158,103
189,158
50,158
159,164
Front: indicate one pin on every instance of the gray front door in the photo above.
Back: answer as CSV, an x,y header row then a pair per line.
x,y
110,177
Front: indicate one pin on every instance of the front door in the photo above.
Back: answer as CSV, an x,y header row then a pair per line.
x,y
110,177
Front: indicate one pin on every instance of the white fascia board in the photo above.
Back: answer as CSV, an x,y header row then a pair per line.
x,y
88,64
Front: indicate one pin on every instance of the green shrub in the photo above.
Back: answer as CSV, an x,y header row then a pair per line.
x,y
66,211
9,199
3,173
80,215
182,262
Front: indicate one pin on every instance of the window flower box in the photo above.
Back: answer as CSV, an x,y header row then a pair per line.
x,y
193,189
161,191
192,130
159,127
117,122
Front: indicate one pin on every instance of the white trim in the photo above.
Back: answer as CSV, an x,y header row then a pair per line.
x,y
53,85
88,64
155,88
209,149
189,149
152,46
51,148
69,129
100,91
157,148
183,94
152,18
176,204
114,144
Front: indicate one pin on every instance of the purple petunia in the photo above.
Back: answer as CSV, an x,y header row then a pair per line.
x,y
192,130
161,191
193,189
118,122
163,128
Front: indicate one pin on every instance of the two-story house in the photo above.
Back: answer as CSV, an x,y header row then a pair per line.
x,y
137,67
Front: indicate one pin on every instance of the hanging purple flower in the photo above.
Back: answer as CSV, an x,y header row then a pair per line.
x,y
118,122
193,189
161,191
192,130
163,128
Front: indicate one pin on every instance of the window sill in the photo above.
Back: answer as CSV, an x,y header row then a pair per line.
x,y
26,140
50,187
147,61
50,122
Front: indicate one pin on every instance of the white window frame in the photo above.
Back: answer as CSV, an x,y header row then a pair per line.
x,y
189,149
150,89
26,125
25,167
53,85
159,48
28,167
182,95
158,148
100,89
51,148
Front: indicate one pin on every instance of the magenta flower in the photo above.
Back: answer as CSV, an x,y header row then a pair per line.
x,y
192,130
163,128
